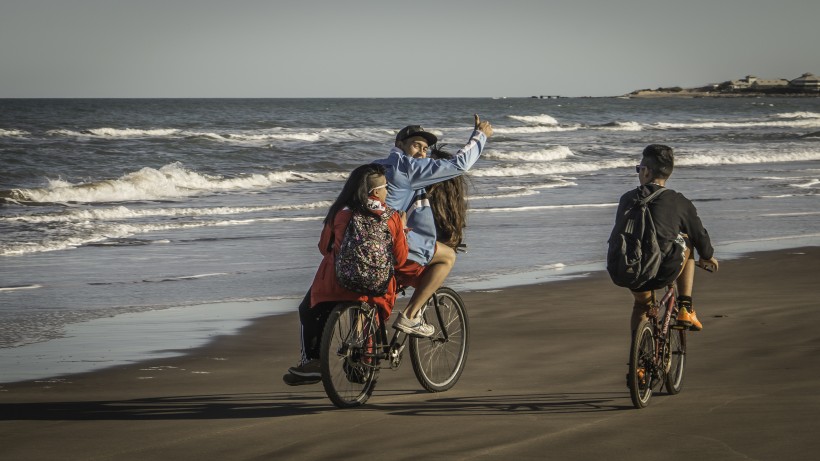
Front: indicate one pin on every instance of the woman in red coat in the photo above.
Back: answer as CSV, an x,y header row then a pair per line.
x,y
364,192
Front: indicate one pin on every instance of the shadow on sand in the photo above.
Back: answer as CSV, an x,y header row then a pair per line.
x,y
271,405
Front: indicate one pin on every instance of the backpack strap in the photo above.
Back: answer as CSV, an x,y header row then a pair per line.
x,y
652,196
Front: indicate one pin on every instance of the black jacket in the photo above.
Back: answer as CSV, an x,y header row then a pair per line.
x,y
673,214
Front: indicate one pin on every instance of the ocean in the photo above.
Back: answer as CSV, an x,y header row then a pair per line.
x,y
137,228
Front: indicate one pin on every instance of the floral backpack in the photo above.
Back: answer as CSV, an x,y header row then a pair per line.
x,y
365,260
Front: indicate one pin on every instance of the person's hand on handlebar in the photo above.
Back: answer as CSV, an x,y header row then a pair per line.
x,y
710,265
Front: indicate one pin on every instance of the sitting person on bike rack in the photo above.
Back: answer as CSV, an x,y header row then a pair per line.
x,y
409,172
364,192
678,228
448,202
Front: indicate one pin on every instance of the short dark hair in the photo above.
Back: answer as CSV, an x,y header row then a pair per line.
x,y
660,159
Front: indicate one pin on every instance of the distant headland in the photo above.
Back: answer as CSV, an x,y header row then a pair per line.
x,y
807,84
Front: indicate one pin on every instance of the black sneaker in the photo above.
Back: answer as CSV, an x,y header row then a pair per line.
x,y
309,369
295,380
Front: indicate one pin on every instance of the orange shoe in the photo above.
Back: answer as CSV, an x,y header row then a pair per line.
x,y
687,318
696,325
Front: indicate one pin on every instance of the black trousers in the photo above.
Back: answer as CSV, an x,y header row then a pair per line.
x,y
313,321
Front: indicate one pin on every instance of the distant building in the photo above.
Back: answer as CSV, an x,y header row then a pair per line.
x,y
806,82
752,82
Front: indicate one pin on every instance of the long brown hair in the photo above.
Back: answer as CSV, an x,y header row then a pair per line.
x,y
448,200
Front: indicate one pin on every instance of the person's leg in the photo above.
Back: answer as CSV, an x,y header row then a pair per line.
x,y
686,283
311,326
432,279
640,309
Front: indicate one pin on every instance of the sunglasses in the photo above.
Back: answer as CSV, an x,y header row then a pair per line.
x,y
377,187
638,168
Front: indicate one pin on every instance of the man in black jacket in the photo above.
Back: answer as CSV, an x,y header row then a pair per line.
x,y
679,230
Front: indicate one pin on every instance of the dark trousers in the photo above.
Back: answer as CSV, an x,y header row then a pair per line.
x,y
313,321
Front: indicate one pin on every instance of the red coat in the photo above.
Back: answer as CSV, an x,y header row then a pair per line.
x,y
326,288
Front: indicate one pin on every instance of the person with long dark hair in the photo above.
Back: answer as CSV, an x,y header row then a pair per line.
x,y
364,193
448,201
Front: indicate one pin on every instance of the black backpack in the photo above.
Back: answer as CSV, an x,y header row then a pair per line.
x,y
634,256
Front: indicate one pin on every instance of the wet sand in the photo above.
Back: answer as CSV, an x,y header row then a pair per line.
x,y
544,380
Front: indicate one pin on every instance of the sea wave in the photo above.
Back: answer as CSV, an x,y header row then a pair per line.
x,y
102,232
747,158
170,181
542,119
541,207
535,129
795,123
116,132
543,155
255,137
9,133
798,115
552,168
123,212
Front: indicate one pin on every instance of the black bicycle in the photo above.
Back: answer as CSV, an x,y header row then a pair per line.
x,y
355,348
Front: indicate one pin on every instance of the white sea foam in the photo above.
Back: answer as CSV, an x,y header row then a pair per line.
x,y
551,168
798,115
747,158
106,132
543,155
542,119
522,192
534,129
807,185
621,126
797,123
541,207
21,287
170,181
107,231
123,212
12,133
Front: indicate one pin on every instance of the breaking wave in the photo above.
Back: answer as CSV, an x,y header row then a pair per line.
x,y
170,181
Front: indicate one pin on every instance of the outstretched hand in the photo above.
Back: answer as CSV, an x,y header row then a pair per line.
x,y
484,127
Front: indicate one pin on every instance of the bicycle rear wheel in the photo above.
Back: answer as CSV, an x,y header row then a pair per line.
x,y
677,361
641,366
438,361
349,367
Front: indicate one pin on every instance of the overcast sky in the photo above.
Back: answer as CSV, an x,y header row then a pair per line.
x,y
386,48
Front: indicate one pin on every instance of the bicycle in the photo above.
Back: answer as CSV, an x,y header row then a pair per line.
x,y
355,348
657,356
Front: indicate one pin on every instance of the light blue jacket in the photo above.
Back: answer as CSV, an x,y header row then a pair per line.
x,y
406,179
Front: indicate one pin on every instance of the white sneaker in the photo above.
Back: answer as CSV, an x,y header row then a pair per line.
x,y
415,327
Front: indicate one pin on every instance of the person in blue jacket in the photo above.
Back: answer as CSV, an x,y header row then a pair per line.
x,y
409,171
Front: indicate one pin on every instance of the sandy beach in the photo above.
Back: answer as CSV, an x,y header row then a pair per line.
x,y
544,380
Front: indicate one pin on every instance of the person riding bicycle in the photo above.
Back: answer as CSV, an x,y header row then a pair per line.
x,y
364,192
679,230
409,172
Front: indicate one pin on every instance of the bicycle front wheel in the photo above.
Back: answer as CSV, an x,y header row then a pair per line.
x,y
641,365
677,361
349,365
438,361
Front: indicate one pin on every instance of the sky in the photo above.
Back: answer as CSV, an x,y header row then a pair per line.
x,y
387,48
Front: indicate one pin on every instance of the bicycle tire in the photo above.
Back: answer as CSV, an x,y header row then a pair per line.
x,y
347,378
641,357
677,361
438,361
